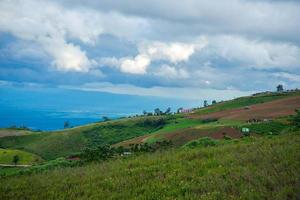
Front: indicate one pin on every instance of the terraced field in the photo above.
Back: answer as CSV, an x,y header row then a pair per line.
x,y
268,110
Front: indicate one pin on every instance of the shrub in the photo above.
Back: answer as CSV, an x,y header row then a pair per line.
x,y
202,142
209,120
296,119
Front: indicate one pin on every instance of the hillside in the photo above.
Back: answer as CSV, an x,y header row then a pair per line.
x,y
252,168
228,118
198,155
25,158
230,115
246,101
50,145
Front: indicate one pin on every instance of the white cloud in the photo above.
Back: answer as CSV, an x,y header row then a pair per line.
x,y
173,52
52,26
177,18
170,72
49,25
68,57
256,53
138,65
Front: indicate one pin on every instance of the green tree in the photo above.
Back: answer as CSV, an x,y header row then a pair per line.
x,y
279,88
168,111
66,124
205,103
296,118
105,118
179,110
157,111
16,159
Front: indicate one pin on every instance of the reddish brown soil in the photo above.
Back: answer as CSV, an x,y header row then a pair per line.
x,y
181,137
73,158
185,135
269,110
136,140
227,131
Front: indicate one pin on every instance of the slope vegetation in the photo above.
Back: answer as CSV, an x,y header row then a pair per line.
x,y
50,145
268,110
252,168
25,158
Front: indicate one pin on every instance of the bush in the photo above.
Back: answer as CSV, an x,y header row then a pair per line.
x,y
209,120
153,122
202,142
296,119
98,153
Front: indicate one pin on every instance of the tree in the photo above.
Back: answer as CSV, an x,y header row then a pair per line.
x,y
144,112
296,119
16,159
279,88
157,111
149,114
213,102
179,110
168,111
205,104
105,118
66,124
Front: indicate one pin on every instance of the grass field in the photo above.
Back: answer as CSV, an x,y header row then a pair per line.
x,y
208,160
251,168
244,101
25,158
50,145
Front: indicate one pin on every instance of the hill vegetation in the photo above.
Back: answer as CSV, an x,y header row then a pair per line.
x,y
251,168
162,155
8,156
50,145
245,101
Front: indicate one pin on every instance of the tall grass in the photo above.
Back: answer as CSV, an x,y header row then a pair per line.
x,y
253,168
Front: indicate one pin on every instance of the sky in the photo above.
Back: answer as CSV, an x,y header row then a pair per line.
x,y
192,49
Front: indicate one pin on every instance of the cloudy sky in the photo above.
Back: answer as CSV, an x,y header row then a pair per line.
x,y
169,48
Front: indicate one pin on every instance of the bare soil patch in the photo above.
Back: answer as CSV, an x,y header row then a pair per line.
x,y
268,110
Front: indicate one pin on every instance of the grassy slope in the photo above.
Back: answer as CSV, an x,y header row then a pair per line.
x,y
255,168
185,123
6,157
244,101
173,125
50,145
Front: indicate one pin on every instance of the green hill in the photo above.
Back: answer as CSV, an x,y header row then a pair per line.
x,y
245,101
50,145
209,158
25,158
251,168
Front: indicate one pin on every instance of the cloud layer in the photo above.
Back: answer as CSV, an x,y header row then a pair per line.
x,y
211,45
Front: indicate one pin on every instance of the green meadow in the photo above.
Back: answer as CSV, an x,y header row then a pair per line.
x,y
251,168
167,157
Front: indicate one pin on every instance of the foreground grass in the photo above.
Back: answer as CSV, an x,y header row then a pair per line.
x,y
252,168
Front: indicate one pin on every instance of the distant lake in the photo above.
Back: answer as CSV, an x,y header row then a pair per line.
x,y
49,108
